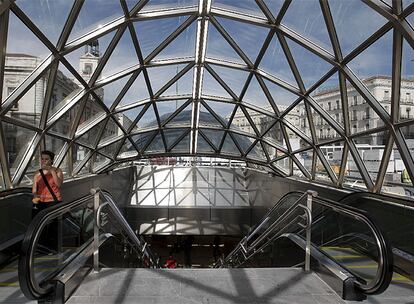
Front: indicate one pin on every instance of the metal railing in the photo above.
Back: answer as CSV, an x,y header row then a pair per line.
x,y
259,238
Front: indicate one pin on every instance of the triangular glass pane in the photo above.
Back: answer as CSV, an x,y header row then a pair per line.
x,y
183,146
397,180
142,139
321,174
94,15
249,38
362,116
206,119
234,78
244,141
272,151
111,149
172,135
203,146
313,26
183,86
407,76
156,146
296,141
275,135
20,40
375,60
354,22
160,76
110,132
17,141
78,154
324,131
91,112
284,164
247,7
183,119
126,118
63,94
300,109
53,144
127,150
212,87
137,91
99,162
371,149
86,59
49,18
257,153
275,63
222,109
215,136
255,96
148,120
240,123
33,165
333,154
229,146
29,107
65,123
282,97
353,178
90,137
110,92
219,48
310,66
167,108
306,158
122,57
181,46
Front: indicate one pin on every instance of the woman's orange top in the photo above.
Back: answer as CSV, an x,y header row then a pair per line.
x,y
43,191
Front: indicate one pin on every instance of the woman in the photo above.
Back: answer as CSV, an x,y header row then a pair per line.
x,y
46,183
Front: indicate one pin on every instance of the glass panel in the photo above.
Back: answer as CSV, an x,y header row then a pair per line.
x,y
234,78
159,76
183,146
111,132
361,115
222,109
255,96
247,7
202,145
310,66
354,22
353,178
148,120
206,119
94,14
324,131
53,144
274,6
2,185
306,159
78,154
156,146
321,174
155,5
257,153
333,154
127,150
240,122
312,26
126,118
111,91
284,164
282,97
296,171
141,140
219,48
248,37
212,87
90,137
92,112
86,59
243,141
122,57
167,108
65,89
303,118
99,162
172,135
64,124
183,119
183,86
407,83
275,135
375,60
275,63
407,3
229,147
17,141
215,136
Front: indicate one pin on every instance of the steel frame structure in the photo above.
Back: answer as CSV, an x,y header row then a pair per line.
x,y
205,16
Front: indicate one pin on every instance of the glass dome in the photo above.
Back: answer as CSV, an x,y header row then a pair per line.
x,y
322,90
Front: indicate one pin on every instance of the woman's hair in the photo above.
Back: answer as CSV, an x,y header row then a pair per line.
x,y
50,153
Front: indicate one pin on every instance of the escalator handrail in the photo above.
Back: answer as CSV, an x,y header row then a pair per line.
x,y
396,201
30,287
385,267
15,191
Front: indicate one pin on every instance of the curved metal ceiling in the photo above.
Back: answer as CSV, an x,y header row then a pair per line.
x,y
244,80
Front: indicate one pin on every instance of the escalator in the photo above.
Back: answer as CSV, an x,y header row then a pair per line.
x,y
335,236
62,246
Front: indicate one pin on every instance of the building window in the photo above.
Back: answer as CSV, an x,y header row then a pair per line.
x,y
387,95
354,127
354,115
337,105
355,100
329,106
87,69
16,105
408,110
367,113
367,126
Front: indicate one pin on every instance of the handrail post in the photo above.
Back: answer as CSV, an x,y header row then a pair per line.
x,y
96,200
310,195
